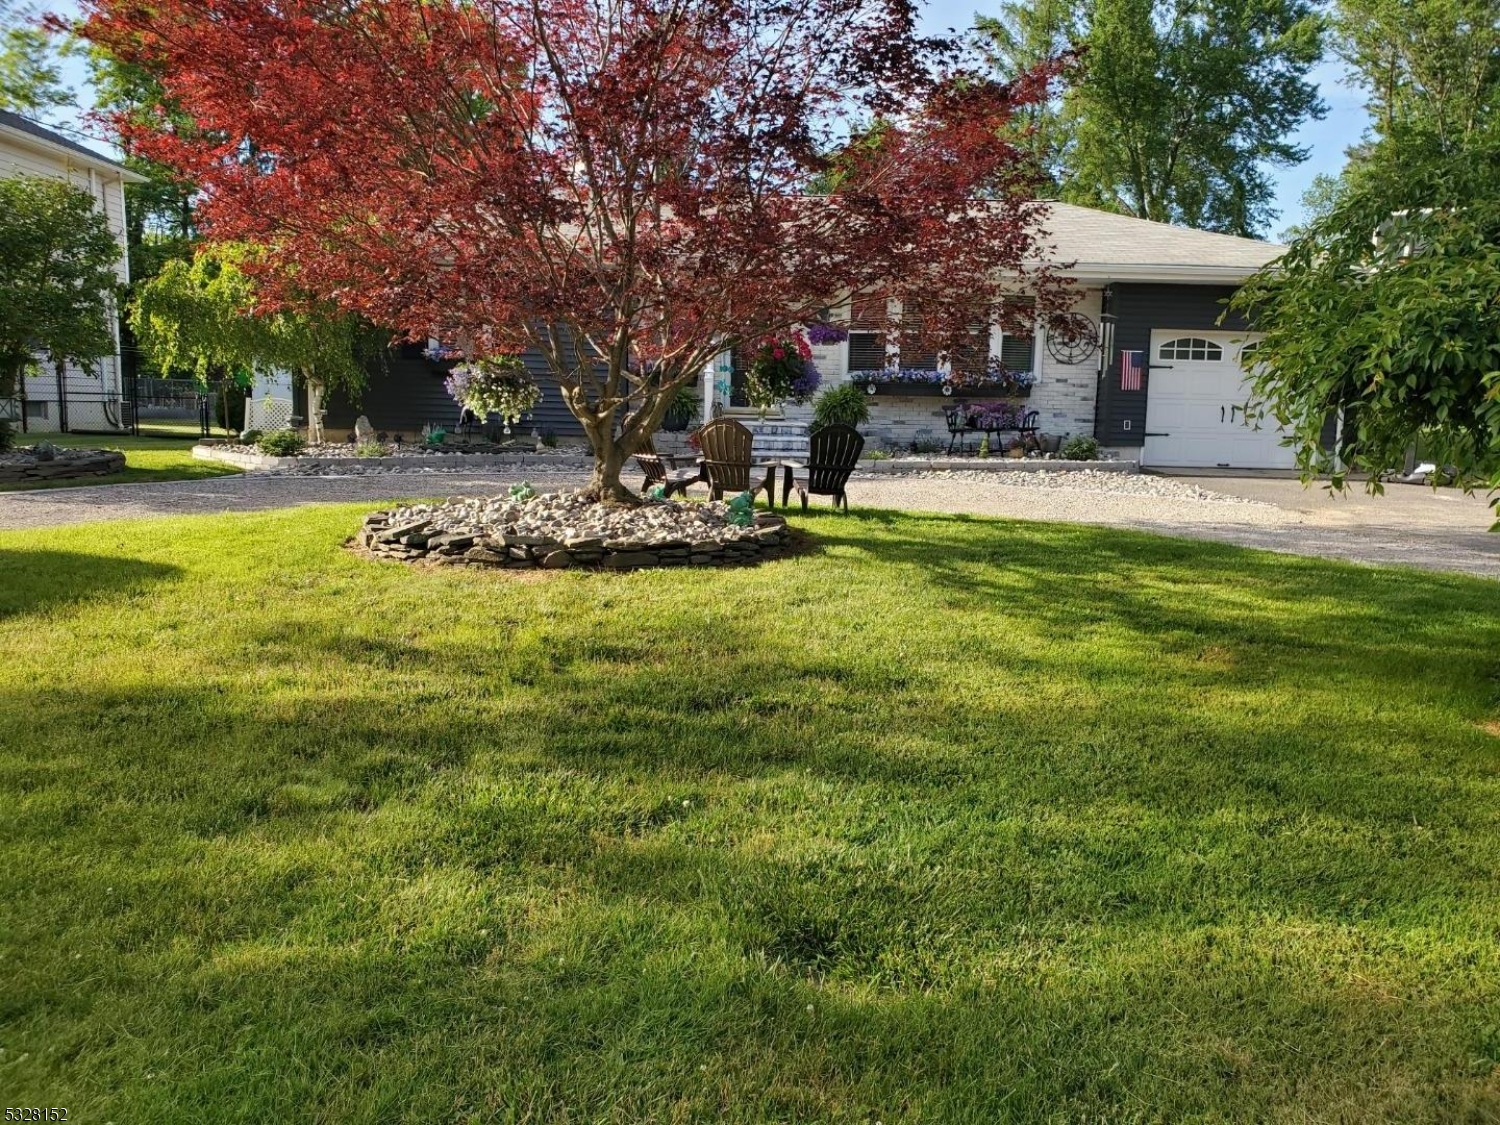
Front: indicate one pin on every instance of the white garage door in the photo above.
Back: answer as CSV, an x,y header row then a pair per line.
x,y
1195,405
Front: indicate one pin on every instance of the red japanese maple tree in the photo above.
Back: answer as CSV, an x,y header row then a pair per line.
x,y
630,187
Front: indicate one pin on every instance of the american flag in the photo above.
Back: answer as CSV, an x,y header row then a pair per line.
x,y
1131,366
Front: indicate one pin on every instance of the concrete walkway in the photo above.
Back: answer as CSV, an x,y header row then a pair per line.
x,y
1410,525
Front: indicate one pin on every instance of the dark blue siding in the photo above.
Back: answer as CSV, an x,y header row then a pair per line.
x,y
408,393
1138,310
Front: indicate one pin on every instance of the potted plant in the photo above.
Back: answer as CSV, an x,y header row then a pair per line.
x,y
680,411
846,406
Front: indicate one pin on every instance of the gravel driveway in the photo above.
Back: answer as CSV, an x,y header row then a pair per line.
x,y
1410,525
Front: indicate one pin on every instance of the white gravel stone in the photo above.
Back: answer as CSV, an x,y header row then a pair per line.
x,y
557,517
1086,480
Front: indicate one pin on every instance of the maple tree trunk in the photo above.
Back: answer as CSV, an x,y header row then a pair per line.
x,y
609,463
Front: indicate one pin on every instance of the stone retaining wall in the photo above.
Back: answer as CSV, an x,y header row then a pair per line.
x,y
413,542
65,466
264,462
997,465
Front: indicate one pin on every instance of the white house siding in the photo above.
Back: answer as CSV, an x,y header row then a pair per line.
x,y
93,395
1063,395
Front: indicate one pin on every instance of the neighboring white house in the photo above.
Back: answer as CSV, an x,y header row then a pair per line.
x,y
78,399
1147,290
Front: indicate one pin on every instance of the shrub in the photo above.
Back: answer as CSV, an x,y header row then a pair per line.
x,y
369,449
549,439
928,445
250,437
7,436
282,443
846,405
1080,448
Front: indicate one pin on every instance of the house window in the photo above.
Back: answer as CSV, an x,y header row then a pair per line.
x,y
914,355
1192,347
866,350
972,355
867,334
36,411
1017,353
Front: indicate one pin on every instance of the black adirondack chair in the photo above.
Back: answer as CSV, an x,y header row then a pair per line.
x,y
728,463
832,458
666,470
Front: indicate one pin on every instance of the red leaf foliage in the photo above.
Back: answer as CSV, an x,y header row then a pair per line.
x,y
652,179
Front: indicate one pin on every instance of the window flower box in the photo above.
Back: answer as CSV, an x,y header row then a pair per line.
x,y
921,381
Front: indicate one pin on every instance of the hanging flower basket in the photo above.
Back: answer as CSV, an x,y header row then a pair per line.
x,y
494,385
781,370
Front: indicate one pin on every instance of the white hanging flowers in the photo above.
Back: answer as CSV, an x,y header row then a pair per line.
x,y
494,385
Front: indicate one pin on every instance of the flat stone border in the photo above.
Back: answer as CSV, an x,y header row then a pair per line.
x,y
411,542
997,465
261,462
67,465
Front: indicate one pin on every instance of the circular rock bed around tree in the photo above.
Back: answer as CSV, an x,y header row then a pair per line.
x,y
565,529
44,462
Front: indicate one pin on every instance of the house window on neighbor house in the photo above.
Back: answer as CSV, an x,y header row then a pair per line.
x,y
36,411
1192,347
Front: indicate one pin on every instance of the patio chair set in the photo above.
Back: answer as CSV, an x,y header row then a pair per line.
x,y
728,465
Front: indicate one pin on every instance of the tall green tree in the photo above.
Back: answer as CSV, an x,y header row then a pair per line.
x,y
31,80
1181,106
159,221
201,317
57,278
1387,308
1023,35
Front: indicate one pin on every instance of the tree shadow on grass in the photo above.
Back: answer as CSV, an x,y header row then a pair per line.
x,y
589,860
34,580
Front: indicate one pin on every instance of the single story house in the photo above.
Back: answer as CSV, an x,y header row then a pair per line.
x,y
1150,299
91,399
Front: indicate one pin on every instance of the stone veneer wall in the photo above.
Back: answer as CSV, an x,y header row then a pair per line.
x,y
1063,395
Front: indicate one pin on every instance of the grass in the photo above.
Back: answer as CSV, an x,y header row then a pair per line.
x,y
146,459
948,820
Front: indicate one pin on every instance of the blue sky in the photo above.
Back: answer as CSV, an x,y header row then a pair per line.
x,y
1326,139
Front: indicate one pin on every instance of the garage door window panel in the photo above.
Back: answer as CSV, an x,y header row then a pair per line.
x,y
1192,348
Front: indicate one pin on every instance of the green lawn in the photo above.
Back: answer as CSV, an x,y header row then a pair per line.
x,y
948,820
146,459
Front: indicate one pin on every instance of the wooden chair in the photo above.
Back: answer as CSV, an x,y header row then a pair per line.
x,y
833,456
663,470
728,463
